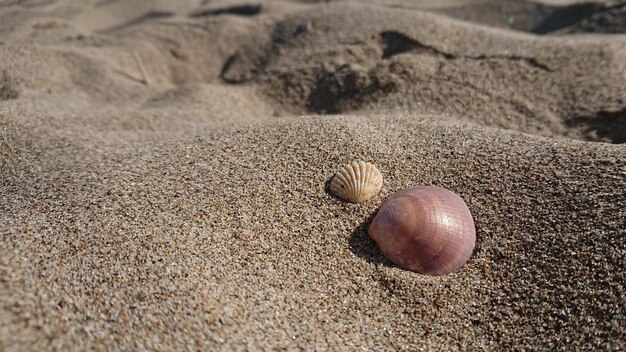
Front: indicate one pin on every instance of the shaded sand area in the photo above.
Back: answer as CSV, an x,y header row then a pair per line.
x,y
164,169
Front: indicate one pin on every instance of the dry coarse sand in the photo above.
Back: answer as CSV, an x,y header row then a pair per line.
x,y
164,172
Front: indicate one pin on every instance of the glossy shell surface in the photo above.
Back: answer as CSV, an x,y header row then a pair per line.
x,y
425,229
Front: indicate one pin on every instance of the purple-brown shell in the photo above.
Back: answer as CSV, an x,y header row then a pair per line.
x,y
425,229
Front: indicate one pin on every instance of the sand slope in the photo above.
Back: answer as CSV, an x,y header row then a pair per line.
x,y
188,209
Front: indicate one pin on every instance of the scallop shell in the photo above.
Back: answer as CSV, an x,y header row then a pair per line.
x,y
425,229
357,182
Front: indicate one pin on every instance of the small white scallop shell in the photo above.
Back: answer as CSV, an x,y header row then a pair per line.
x,y
357,182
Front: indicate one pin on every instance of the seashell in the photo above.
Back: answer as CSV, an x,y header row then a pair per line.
x,y
425,229
357,182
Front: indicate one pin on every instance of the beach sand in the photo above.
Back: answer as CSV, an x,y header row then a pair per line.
x,y
164,170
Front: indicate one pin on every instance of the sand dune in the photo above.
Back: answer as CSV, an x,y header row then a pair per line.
x,y
164,169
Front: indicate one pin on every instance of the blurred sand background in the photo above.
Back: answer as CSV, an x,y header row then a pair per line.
x,y
164,169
